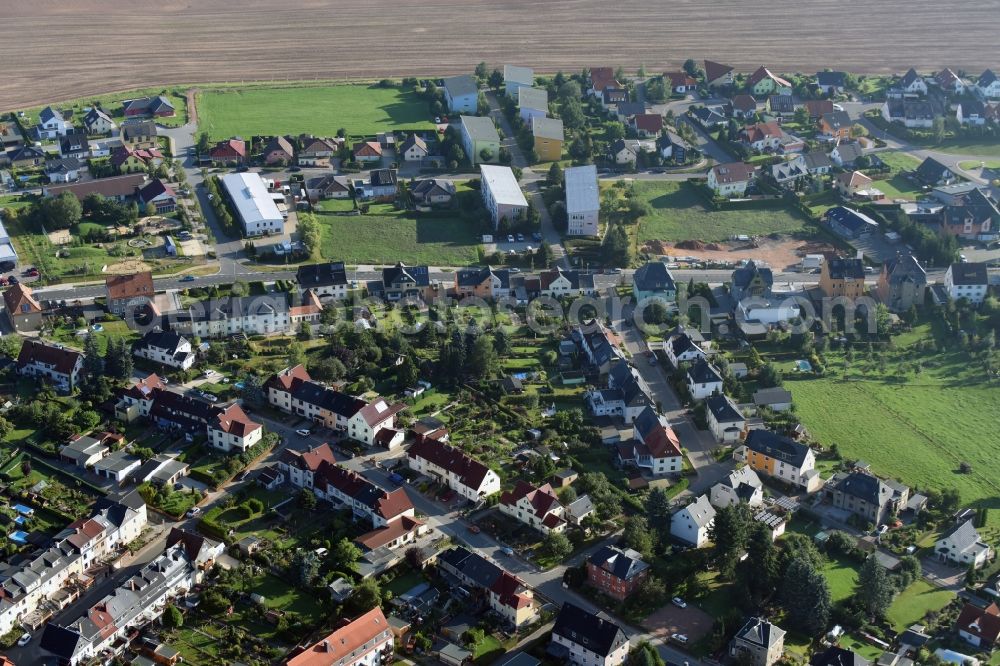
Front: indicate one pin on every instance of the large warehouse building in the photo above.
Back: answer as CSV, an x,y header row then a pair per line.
x,y
254,204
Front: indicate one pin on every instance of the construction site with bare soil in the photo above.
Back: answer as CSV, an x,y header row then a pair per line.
x,y
76,48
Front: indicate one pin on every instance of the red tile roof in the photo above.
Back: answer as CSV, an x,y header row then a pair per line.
x,y
764,73
234,420
145,388
385,535
983,623
603,77
130,286
468,469
346,643
229,149
368,149
19,300
287,379
680,79
648,122
762,131
379,410
542,499
309,460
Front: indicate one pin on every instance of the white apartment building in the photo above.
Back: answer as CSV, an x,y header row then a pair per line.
x,y
583,202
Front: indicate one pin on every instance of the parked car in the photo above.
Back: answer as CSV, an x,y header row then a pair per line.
x,y
193,511
537,237
681,639
508,551
520,238
187,278
24,640
303,432
510,238
680,603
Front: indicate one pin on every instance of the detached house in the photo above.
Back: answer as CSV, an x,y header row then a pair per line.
x,y
744,106
166,348
461,93
128,292
901,283
432,191
680,82
316,151
692,524
967,280
23,311
950,82
585,639
466,476
979,625
139,134
753,280
758,643
402,281
762,83
988,85
231,152
962,546
647,124
842,277
538,508
863,495
725,421
278,150
231,429
326,279
742,485
484,282
602,78
97,121
145,107
703,380
627,395
368,151
653,280
911,113
413,148
328,187
973,216
933,173
912,83
53,363
730,179
616,572
850,223
681,348
779,457
830,83
51,124
718,75
835,125
762,136
654,447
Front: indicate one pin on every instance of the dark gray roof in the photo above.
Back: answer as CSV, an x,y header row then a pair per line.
x,y
161,340
329,274
905,268
986,78
382,177
771,396
775,446
910,76
851,219
703,372
588,630
866,487
476,275
837,656
831,79
63,165
619,563
760,632
472,565
723,409
817,160
745,275
931,171
401,273
654,276
633,391
837,119
843,268
969,274
464,84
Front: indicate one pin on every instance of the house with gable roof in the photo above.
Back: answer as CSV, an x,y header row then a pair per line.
x,y
912,83
482,281
51,124
627,394
963,546
740,485
763,83
680,347
538,508
725,421
23,310
950,82
779,457
654,280
365,641
654,446
582,638
232,430
901,283
988,85
731,178
979,625
830,83
864,495
96,121
230,152
148,107
703,380
616,572
53,363
692,523
718,75
465,475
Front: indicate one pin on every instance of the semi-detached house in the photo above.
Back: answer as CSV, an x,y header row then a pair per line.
x,y
53,363
506,594
536,507
372,423
222,317
465,475
654,447
583,638
781,458
365,641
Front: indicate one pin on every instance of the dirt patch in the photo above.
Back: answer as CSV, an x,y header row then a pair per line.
x,y
778,253
182,41
60,237
691,621
127,267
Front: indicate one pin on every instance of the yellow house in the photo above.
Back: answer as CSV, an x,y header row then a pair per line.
x,y
548,135
781,458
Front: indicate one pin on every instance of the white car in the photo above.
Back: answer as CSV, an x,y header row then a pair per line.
x,y
510,238
680,638
193,511
680,603
303,432
23,640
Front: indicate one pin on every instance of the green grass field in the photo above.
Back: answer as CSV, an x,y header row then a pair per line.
x,y
913,602
899,161
386,239
842,577
360,110
678,214
974,164
915,427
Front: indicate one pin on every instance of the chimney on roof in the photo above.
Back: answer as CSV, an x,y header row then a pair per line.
x,y
326,646
860,255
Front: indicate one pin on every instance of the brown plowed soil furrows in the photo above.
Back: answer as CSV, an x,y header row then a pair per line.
x,y
70,48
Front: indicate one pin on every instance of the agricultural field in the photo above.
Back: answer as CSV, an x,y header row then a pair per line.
x,y
171,42
385,238
678,214
360,110
914,427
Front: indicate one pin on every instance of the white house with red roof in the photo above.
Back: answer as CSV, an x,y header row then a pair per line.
x,y
233,429
462,473
600,79
300,467
536,507
159,195
654,447
731,178
365,641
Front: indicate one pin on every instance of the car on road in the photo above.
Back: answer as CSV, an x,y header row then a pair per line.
x,y
681,639
680,603
520,238
515,269
187,278
303,432
193,511
508,551
242,475
537,237
210,397
23,640
211,197
510,238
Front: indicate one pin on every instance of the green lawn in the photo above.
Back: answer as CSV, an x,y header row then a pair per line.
x,y
898,161
897,187
981,147
913,602
678,214
334,205
386,239
974,164
842,577
915,427
487,649
360,110
67,335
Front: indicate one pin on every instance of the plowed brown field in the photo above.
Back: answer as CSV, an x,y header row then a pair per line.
x,y
61,49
